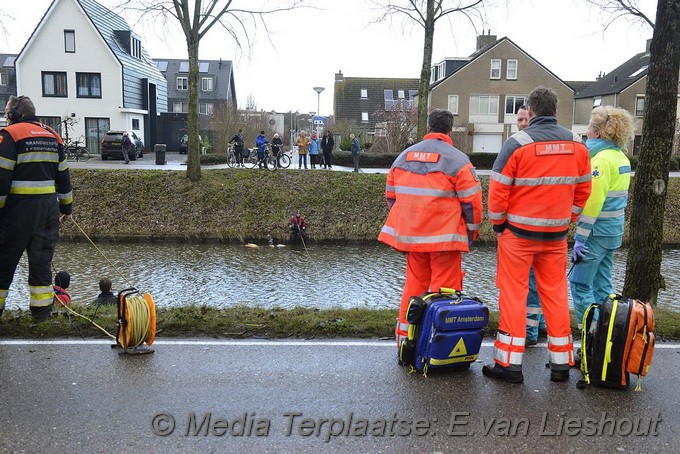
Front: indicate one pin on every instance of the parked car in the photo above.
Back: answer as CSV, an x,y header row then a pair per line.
x,y
184,143
112,145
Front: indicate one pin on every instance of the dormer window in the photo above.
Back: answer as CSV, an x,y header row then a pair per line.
x,y
135,47
364,93
69,41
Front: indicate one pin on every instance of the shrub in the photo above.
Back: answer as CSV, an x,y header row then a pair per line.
x,y
483,160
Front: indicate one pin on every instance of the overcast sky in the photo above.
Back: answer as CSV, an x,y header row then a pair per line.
x,y
306,47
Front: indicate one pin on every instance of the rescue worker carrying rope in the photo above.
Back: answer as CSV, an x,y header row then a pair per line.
x,y
35,186
539,185
435,202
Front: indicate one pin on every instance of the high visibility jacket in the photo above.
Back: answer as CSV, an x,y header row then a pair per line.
x,y
435,198
603,214
33,163
540,181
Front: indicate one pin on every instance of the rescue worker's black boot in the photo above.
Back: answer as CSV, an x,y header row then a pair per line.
x,y
559,375
577,358
502,373
40,314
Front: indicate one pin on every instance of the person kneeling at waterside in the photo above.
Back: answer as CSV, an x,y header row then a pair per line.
x,y
297,226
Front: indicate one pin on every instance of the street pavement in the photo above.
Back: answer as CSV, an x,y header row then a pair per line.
x,y
339,396
176,161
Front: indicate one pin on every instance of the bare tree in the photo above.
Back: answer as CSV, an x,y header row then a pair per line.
x,y
426,13
398,124
643,268
197,18
621,9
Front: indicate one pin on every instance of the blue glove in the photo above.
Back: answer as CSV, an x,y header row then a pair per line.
x,y
580,250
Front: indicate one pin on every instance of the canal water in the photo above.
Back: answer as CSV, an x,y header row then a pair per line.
x,y
223,275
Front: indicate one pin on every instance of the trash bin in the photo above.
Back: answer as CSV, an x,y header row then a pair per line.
x,y
159,149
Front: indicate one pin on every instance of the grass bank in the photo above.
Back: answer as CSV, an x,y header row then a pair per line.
x,y
246,205
252,322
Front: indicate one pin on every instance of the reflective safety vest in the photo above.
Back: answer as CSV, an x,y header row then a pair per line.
x,y
435,198
603,214
539,186
33,163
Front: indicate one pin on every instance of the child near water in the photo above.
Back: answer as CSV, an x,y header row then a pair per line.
x,y
61,282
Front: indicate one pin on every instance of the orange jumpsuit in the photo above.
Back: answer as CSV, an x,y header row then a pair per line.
x,y
436,210
539,185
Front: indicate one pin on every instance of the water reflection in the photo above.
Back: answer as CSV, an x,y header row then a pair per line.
x,y
227,275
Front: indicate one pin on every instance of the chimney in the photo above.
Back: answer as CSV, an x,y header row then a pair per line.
x,y
339,77
219,65
485,40
649,45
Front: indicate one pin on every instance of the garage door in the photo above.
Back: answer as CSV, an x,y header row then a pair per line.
x,y
487,143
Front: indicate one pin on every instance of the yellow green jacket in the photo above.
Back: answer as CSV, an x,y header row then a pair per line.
x,y
603,214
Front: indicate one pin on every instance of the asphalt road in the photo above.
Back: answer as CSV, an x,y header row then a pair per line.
x,y
308,396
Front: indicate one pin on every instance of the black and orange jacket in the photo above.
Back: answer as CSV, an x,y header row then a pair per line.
x,y
33,163
435,198
540,181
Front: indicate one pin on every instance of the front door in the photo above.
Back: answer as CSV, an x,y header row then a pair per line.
x,y
95,128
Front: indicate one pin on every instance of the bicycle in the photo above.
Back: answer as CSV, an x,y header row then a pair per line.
x,y
76,152
231,156
284,159
253,161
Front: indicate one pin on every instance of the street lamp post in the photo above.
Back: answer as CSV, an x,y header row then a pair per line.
x,y
318,91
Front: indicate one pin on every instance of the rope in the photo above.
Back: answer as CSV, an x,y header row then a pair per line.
x,y
136,308
101,253
71,311
303,241
139,317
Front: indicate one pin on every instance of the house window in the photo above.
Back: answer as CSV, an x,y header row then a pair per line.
x,y
52,122
513,103
182,83
54,84
69,41
400,94
364,93
511,71
484,109
364,116
179,107
597,101
135,124
3,78
89,85
453,104
389,99
135,47
207,84
205,108
412,94
495,68
639,106
441,70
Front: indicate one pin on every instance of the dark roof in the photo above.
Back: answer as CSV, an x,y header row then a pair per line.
x,y
113,29
348,103
221,70
475,55
619,79
579,85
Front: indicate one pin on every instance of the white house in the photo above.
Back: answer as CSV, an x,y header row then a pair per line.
x,y
84,62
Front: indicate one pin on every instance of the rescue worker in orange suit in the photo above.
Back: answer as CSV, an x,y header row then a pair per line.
x,y
35,187
539,184
435,202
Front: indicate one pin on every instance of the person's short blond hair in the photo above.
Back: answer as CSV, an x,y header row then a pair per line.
x,y
613,124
